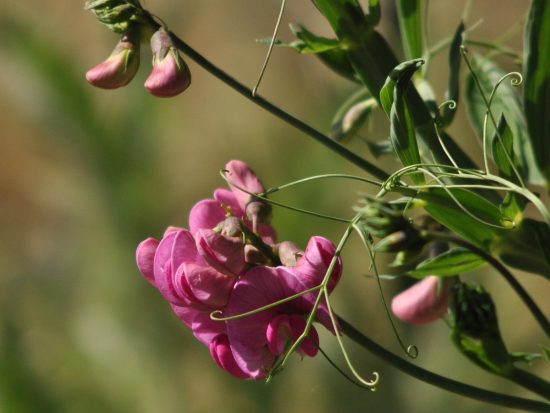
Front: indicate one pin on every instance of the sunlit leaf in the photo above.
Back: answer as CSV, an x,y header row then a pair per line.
x,y
410,25
454,71
450,263
536,72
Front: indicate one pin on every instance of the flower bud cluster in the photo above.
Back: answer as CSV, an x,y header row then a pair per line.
x,y
170,75
229,261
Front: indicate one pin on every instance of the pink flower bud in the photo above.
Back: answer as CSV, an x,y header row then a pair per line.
x,y
119,68
170,75
424,302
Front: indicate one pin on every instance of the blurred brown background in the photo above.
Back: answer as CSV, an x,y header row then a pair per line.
x,y
86,174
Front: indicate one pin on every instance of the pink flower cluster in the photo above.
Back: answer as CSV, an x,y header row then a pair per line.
x,y
229,261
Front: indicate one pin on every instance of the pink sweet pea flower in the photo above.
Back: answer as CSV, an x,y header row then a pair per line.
x,y
258,339
424,302
170,75
119,68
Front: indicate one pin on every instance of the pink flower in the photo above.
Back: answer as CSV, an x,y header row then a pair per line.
x,y
119,68
424,302
258,339
170,75
219,264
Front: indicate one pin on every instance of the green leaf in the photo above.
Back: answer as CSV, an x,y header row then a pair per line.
x,y
505,101
443,208
410,25
380,148
402,72
374,12
523,357
503,153
450,263
352,115
526,247
546,352
536,92
329,51
454,67
402,130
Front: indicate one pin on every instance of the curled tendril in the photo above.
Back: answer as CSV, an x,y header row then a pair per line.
x,y
412,351
451,104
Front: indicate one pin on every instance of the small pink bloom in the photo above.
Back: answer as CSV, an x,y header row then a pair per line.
x,y
119,68
424,302
226,254
170,75
285,329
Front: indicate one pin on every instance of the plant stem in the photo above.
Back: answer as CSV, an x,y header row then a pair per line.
x,y
437,380
496,264
271,108
530,381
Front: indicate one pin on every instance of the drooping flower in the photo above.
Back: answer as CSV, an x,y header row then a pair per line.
x,y
224,263
424,302
120,67
170,75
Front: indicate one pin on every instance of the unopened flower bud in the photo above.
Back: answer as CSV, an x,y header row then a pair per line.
x,y
231,227
253,255
119,68
289,253
170,75
258,212
398,241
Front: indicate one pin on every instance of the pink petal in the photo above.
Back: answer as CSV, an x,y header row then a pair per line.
x,y
173,249
226,254
222,355
241,175
424,302
310,345
204,328
261,286
170,76
312,267
206,214
145,255
227,199
208,286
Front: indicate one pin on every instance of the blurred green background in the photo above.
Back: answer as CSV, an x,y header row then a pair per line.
x,y
86,174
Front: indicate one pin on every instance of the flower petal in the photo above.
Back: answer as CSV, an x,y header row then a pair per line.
x,y
208,286
424,302
223,356
145,255
241,175
226,254
205,214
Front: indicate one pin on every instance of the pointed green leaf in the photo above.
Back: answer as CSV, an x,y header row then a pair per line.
x,y
471,225
352,115
536,73
506,101
374,12
402,72
450,263
454,68
410,25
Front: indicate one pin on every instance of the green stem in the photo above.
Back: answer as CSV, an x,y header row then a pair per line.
x,y
271,108
437,380
496,264
531,382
